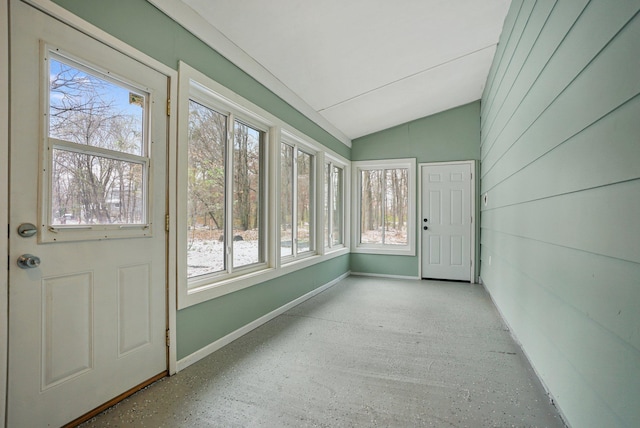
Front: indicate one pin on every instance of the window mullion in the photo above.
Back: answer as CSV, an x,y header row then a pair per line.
x,y
228,194
384,205
294,199
330,206
312,204
85,149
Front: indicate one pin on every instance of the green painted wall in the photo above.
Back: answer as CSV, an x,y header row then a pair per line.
x,y
384,264
452,135
207,322
560,232
142,26
448,136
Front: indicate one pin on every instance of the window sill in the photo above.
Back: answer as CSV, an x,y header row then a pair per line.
x,y
384,250
219,288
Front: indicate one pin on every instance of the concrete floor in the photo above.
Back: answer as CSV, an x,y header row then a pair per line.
x,y
368,352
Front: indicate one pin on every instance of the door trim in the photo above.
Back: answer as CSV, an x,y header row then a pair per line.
x,y
4,198
102,36
474,217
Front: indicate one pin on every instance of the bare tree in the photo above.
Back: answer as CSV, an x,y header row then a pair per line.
x,y
206,170
90,187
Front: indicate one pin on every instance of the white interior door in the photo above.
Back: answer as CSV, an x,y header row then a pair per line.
x,y
87,169
446,221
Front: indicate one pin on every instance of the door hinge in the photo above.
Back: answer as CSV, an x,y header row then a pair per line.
x,y
168,338
168,106
166,222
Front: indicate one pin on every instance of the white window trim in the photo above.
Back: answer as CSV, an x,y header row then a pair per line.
x,y
299,144
88,232
404,250
197,87
192,83
346,197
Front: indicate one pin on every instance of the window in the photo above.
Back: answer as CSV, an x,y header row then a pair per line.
x,y
385,206
225,203
206,189
246,203
247,189
297,201
98,160
333,206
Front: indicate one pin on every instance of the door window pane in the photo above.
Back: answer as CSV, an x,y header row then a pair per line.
x,y
91,189
205,191
89,110
96,147
247,184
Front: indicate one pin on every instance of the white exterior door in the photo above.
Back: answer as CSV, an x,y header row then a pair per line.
x,y
87,169
446,221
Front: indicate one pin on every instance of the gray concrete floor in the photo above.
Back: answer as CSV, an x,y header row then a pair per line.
x,y
368,352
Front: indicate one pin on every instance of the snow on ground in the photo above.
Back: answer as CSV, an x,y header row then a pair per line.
x,y
206,256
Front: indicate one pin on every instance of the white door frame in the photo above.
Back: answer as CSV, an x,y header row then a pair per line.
x,y
79,24
4,202
472,196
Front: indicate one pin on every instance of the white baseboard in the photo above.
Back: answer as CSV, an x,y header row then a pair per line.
x,y
382,275
223,341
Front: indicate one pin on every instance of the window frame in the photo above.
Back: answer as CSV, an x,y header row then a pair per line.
x,y
334,162
384,164
87,232
298,146
233,113
273,267
262,201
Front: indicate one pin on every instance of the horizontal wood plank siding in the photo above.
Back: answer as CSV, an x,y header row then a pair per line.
x,y
560,230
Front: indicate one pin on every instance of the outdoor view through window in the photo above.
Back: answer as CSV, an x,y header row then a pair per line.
x,y
296,189
96,137
384,207
222,221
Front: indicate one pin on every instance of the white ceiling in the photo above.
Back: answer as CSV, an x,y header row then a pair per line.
x,y
355,66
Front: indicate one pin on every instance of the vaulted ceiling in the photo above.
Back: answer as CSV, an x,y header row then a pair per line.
x,y
355,66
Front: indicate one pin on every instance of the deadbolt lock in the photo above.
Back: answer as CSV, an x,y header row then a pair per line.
x,y
27,230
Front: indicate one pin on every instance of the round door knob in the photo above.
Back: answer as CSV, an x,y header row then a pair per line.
x,y
28,261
